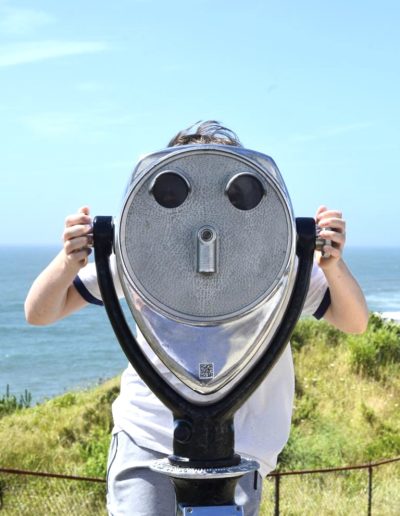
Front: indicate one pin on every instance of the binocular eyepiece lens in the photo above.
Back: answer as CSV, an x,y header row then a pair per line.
x,y
245,191
170,189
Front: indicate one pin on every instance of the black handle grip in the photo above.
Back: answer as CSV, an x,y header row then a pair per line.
x,y
103,237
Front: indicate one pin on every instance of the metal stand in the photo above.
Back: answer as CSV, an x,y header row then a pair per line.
x,y
213,485
203,467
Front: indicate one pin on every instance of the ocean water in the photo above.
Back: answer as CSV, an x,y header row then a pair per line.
x,y
76,352
82,349
378,272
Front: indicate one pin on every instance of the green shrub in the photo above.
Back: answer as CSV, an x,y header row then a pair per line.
x,y
308,331
95,433
378,347
66,400
305,408
9,402
321,445
368,414
385,443
94,452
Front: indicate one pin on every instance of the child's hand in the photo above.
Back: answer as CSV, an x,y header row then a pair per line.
x,y
78,237
333,228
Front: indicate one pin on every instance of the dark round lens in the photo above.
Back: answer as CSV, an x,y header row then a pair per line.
x,y
170,190
206,235
245,192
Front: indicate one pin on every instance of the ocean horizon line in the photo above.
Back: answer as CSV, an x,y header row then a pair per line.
x,y
45,245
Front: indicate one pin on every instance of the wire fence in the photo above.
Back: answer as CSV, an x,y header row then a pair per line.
x,y
365,489
29,493
370,489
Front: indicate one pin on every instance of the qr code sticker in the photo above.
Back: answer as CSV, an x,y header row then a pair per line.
x,y
206,371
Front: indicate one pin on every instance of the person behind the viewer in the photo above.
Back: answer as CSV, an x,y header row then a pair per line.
x,y
143,426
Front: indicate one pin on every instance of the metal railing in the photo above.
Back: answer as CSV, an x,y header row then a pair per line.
x,y
29,493
287,492
359,501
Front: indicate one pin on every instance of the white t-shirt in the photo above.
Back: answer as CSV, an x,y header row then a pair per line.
x,y
262,424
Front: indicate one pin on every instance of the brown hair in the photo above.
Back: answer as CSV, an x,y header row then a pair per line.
x,y
206,132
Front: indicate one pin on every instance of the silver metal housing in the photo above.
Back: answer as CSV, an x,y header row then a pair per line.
x,y
164,467
207,309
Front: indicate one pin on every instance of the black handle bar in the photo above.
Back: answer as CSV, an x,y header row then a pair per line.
x,y
103,233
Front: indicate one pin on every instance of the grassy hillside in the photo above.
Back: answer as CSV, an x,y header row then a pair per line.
x,y
347,396
346,413
346,410
68,434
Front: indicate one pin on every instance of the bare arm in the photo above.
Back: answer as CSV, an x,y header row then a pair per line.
x,y
52,295
348,310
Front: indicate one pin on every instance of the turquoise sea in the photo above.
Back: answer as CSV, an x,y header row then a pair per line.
x,y
82,350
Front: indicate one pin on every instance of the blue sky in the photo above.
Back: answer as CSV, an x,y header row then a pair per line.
x,y
86,87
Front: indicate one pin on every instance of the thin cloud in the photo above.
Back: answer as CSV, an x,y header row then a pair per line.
x,y
20,22
59,125
23,53
329,132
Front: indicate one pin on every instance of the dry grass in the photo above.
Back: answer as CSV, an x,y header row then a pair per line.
x,y
336,494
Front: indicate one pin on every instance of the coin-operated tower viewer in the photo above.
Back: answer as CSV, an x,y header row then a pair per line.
x,y
215,270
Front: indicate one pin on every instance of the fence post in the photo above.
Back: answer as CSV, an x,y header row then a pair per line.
x,y
277,494
369,490
1,493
